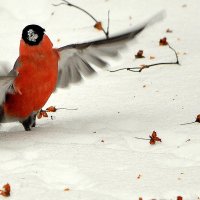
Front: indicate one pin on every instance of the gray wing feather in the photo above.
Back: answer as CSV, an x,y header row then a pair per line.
x,y
74,67
77,59
5,86
6,81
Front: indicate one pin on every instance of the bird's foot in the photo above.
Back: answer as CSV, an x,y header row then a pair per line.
x,y
29,122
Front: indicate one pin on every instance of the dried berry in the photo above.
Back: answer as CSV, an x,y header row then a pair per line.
x,y
163,42
98,26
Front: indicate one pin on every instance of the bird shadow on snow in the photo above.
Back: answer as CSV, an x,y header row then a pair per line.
x,y
77,125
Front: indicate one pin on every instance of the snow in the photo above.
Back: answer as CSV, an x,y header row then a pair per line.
x,y
93,150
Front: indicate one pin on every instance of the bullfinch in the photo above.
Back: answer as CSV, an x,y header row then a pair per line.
x,y
40,69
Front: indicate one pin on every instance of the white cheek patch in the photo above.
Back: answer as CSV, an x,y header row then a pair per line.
x,y
32,36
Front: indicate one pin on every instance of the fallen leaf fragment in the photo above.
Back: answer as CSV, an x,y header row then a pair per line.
x,y
198,118
98,26
6,190
140,198
154,138
51,109
42,113
139,54
179,198
163,42
66,189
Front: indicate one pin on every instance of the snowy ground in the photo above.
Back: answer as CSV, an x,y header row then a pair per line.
x,y
93,150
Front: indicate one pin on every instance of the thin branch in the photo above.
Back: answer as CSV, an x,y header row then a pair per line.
x,y
75,6
188,123
108,25
126,68
66,108
139,138
177,60
64,2
139,69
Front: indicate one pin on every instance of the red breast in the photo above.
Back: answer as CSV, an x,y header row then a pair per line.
x,y
37,78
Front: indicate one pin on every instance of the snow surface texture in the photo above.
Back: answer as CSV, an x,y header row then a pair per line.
x,y
93,150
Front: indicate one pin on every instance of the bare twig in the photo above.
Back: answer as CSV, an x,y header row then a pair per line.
x,y
139,69
43,113
64,2
196,121
141,138
108,25
188,123
66,108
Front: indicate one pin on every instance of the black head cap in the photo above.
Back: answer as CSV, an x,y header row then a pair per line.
x,y
32,34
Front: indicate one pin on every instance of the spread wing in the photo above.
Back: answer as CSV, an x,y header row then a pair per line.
x,y
77,60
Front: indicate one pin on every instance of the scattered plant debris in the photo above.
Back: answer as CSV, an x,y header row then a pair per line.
x,y
66,189
169,31
139,176
163,42
6,190
179,198
98,26
43,113
142,67
197,120
153,138
139,54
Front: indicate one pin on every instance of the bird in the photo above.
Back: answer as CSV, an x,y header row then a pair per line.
x,y
41,68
